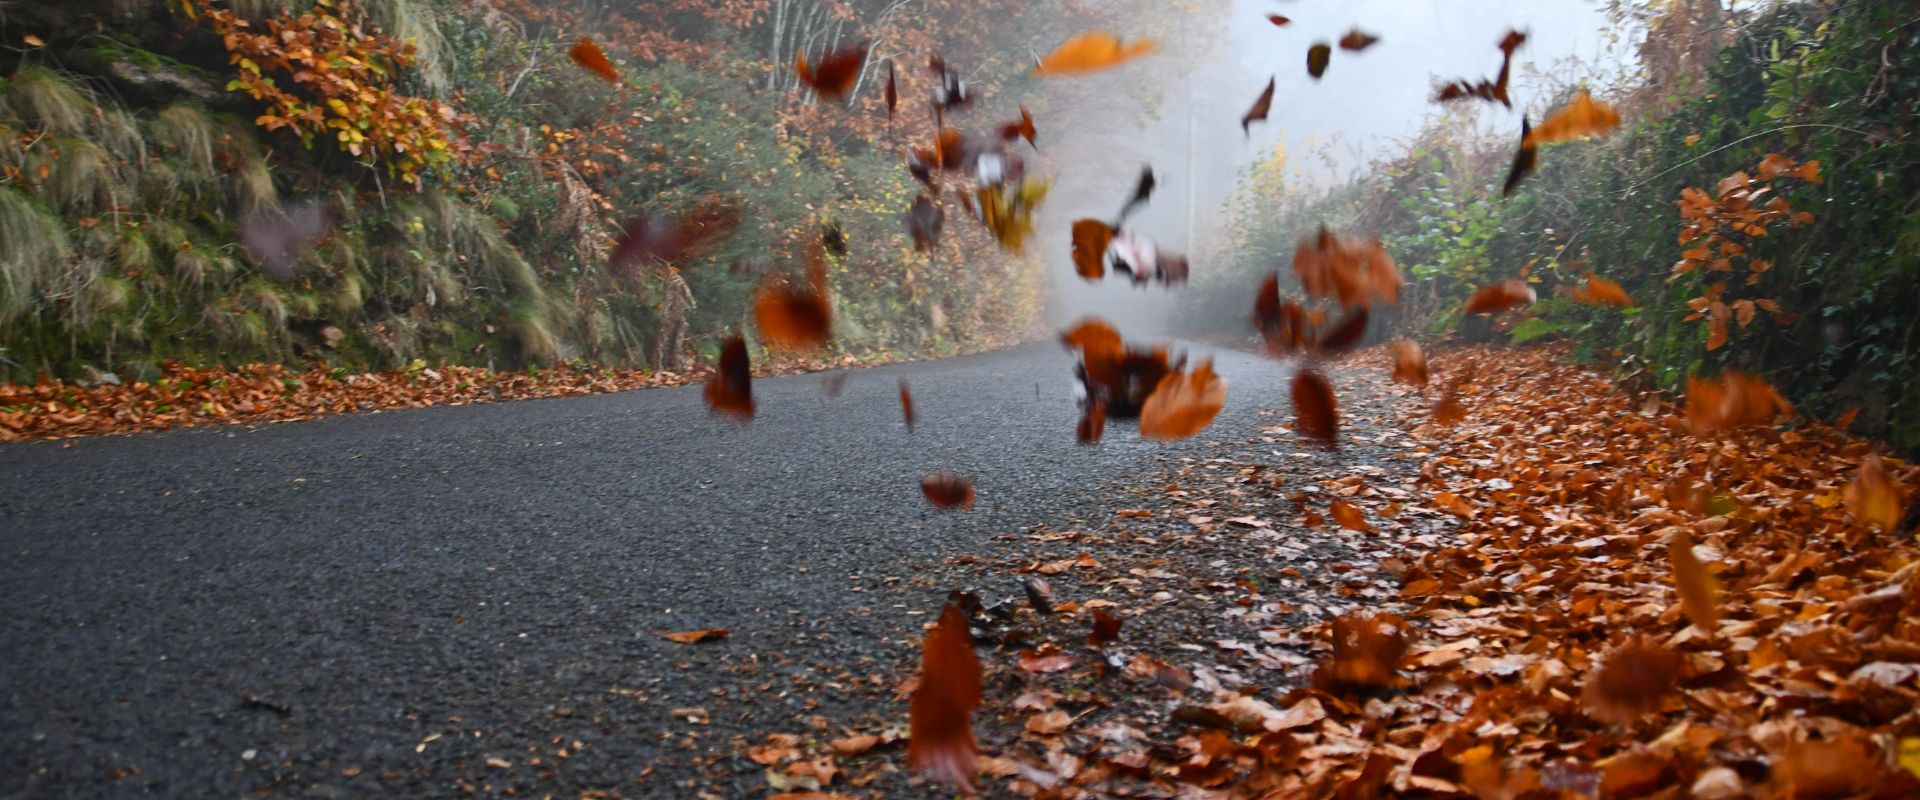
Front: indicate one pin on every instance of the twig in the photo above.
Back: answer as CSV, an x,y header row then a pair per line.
x,y
1691,161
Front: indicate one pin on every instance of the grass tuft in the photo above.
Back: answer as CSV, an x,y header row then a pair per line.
x,y
35,253
47,101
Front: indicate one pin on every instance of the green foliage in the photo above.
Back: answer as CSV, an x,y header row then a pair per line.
x,y
1833,83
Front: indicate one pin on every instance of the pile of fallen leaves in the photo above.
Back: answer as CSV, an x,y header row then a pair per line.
x,y
261,393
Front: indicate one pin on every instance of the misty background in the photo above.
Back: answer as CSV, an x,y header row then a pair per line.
x,y
1365,106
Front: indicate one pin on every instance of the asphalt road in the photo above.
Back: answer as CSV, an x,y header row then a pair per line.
x,y
401,603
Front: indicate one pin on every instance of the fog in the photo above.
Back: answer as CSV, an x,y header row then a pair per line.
x,y
1366,105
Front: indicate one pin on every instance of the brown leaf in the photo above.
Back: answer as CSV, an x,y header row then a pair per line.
x,y
1352,270
906,404
590,58
1021,128
1259,110
892,93
1343,336
1316,413
1736,400
1093,422
1277,20
1630,682
1183,403
924,222
1049,723
1699,591
1106,629
1317,57
647,241
729,389
1091,51
795,316
1039,594
1357,40
691,637
940,742
947,491
1523,161
854,745
1847,766
1507,294
836,73
1873,498
1090,240
1046,659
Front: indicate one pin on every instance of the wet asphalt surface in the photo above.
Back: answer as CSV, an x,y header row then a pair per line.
x,y
401,603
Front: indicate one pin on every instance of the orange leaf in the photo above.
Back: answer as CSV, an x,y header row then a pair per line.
x,y
730,389
1602,292
1259,110
947,491
1090,51
795,316
1872,497
835,75
1736,400
1316,413
1699,592
1183,404
1409,365
691,637
1090,240
940,742
1630,683
1511,293
1093,422
1349,516
1045,659
589,56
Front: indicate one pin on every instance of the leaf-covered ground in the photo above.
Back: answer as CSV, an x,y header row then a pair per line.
x,y
254,394
1486,609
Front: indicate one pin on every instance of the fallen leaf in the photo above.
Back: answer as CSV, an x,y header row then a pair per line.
x,y
1277,20
1599,291
1873,498
691,637
855,745
1090,240
940,743
1046,659
1409,365
1349,516
1736,400
795,316
1367,652
1039,594
924,221
1093,422
1630,682
1050,723
1524,160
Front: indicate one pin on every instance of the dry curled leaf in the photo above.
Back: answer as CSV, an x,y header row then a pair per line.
x,y
1631,682
1349,516
947,491
1524,159
1357,40
1090,240
1351,270
940,742
1736,400
906,404
1183,403
793,315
